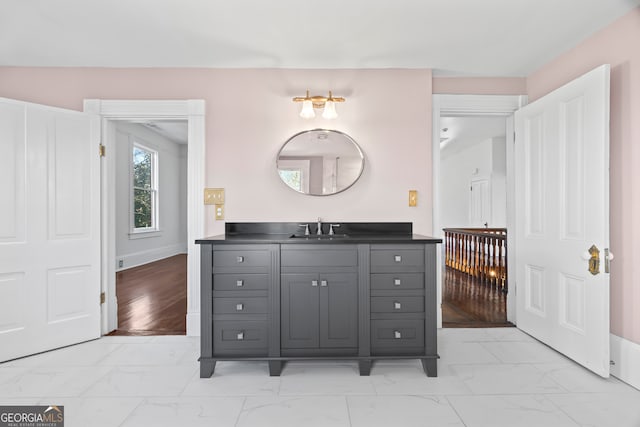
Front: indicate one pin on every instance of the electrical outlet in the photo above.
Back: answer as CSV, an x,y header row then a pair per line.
x,y
214,196
413,198
219,212
120,263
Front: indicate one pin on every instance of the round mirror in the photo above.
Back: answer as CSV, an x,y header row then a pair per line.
x,y
320,162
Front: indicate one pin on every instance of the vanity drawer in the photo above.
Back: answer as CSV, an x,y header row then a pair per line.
x,y
390,334
409,304
239,337
397,281
240,282
390,260
334,256
239,305
241,258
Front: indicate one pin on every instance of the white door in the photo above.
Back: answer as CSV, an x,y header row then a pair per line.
x,y
562,209
479,203
49,228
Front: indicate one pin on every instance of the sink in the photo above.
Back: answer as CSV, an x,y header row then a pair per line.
x,y
320,237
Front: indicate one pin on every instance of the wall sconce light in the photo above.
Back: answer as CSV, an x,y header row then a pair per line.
x,y
311,102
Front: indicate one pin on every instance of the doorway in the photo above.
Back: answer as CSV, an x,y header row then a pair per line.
x,y
473,213
151,226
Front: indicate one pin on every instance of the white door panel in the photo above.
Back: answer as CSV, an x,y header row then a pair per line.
x,y
562,208
49,240
12,173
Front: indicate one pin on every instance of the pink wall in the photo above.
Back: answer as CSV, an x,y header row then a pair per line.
x,y
249,115
480,85
617,45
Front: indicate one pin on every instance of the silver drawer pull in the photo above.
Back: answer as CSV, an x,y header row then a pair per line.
x,y
397,335
240,259
314,283
239,283
397,258
397,305
396,282
239,307
323,283
240,336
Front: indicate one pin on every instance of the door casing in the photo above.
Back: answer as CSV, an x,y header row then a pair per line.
x,y
463,106
122,110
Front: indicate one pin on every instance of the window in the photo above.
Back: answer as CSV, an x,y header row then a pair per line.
x,y
144,194
293,178
295,173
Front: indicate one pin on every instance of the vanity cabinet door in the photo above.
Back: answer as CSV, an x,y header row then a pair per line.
x,y
338,310
300,311
319,310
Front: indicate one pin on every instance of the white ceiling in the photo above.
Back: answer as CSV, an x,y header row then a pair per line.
x,y
463,132
454,37
173,130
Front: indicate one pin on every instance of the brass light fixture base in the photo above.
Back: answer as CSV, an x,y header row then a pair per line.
x,y
319,101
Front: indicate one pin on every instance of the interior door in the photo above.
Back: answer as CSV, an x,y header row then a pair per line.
x,y
562,209
479,203
49,228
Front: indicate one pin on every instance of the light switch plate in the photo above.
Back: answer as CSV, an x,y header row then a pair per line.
x,y
219,212
413,198
214,196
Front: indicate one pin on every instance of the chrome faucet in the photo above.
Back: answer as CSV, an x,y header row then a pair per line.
x,y
331,227
319,230
306,228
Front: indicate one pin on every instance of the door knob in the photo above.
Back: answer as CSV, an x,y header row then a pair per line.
x,y
314,283
608,256
323,283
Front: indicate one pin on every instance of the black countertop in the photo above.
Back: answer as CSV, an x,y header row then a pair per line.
x,y
292,233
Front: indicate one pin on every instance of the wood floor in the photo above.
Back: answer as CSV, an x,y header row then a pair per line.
x,y
152,298
469,303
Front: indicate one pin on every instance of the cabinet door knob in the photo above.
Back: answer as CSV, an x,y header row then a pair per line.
x,y
314,283
239,307
239,283
396,282
397,258
240,259
240,336
323,283
397,335
397,305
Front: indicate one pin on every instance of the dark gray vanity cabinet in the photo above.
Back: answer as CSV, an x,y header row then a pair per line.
x,y
362,298
319,297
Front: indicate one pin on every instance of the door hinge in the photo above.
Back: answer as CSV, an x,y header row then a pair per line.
x,y
102,298
102,150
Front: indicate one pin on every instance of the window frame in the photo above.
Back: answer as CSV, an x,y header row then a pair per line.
x,y
139,232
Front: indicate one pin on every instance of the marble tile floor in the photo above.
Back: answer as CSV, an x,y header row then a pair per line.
x,y
487,378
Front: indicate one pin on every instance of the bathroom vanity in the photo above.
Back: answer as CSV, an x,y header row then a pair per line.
x,y
270,292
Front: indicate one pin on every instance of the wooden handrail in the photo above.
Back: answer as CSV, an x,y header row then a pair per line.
x,y
479,252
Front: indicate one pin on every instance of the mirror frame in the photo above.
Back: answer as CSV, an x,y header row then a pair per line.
x,y
349,139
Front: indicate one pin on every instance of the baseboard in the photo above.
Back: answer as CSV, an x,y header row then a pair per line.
x,y
144,257
625,356
193,324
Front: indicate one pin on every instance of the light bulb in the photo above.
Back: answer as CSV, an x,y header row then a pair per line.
x,y
329,110
307,110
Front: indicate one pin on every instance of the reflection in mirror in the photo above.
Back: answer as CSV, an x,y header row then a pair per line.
x,y
320,162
